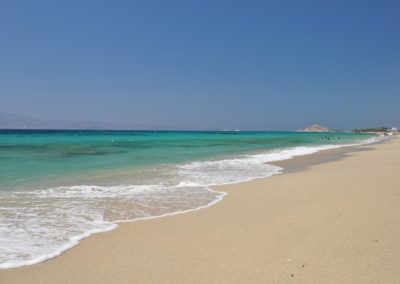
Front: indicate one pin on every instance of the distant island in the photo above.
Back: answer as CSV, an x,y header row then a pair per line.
x,y
378,129
315,128
319,128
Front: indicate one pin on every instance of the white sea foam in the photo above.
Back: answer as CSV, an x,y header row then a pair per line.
x,y
40,224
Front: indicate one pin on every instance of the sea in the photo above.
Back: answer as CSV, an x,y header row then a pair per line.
x,y
58,187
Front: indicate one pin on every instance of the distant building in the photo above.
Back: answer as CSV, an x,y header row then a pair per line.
x,y
394,129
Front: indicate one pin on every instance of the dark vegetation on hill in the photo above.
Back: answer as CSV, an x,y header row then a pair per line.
x,y
380,129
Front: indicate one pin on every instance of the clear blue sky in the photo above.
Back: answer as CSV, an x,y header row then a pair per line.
x,y
268,65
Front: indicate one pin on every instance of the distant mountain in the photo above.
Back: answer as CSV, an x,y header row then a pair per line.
x,y
13,121
315,128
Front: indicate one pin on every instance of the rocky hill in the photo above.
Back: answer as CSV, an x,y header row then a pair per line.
x,y
315,128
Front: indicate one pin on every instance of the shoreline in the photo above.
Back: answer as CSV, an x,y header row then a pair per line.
x,y
290,156
296,165
300,163
287,164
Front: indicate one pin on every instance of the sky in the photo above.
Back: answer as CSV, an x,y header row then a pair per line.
x,y
250,65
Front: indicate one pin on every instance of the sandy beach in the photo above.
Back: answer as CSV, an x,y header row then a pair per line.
x,y
330,218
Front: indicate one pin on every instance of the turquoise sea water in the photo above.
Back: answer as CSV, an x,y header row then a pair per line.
x,y
37,155
57,187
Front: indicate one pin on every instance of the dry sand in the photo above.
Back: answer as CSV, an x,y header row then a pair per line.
x,y
334,222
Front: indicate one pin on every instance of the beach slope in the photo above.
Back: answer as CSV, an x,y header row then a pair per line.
x,y
333,222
